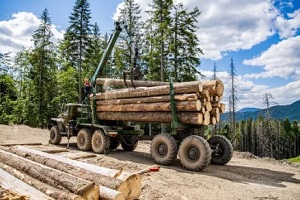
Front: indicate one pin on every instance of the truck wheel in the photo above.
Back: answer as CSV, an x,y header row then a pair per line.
x,y
114,143
194,153
164,149
55,137
100,142
129,145
84,139
222,150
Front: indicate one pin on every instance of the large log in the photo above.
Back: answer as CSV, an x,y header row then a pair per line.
x,y
106,82
51,176
179,88
215,87
150,107
155,99
10,182
126,183
155,117
40,189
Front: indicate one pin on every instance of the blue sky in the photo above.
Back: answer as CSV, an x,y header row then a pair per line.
x,y
262,37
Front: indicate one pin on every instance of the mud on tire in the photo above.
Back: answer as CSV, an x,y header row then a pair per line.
x,y
55,137
222,150
164,149
84,139
194,153
100,142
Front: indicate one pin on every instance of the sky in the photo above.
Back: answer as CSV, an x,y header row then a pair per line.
x,y
261,36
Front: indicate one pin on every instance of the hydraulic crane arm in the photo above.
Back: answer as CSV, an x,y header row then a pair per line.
x,y
111,43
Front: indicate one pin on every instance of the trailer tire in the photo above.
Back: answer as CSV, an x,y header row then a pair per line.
x,y
55,137
130,146
222,150
100,142
164,149
194,153
84,139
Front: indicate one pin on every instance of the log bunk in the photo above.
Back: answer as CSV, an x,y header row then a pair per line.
x,y
196,103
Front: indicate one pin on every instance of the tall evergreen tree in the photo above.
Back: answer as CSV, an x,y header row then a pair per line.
x,y
42,73
184,44
159,24
76,38
232,102
130,15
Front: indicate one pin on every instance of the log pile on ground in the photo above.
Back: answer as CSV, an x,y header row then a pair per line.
x,y
61,178
196,102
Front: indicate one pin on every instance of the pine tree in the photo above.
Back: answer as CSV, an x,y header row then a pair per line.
x,y
159,38
184,44
42,73
130,15
232,103
76,39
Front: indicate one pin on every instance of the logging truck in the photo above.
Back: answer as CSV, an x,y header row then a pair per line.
x,y
105,120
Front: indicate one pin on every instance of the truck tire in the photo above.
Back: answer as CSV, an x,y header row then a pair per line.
x,y
194,153
164,149
55,137
84,139
129,145
100,142
222,150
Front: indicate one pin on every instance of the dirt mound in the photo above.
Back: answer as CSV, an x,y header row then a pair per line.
x,y
246,155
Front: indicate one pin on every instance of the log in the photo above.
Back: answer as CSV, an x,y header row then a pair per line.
x,y
213,120
24,191
45,191
51,176
204,95
208,106
215,112
179,88
206,118
155,117
164,98
15,144
120,82
222,108
215,87
150,107
126,183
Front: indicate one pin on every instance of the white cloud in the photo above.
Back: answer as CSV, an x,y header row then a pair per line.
x,y
17,32
229,25
288,27
280,60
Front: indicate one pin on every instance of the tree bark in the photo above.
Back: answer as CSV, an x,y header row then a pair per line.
x,y
120,82
126,183
44,191
179,88
51,176
154,99
155,117
150,107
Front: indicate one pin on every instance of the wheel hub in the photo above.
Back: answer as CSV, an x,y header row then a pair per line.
x,y
193,153
98,142
162,149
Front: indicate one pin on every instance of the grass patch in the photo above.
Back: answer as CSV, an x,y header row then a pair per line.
x,y
296,159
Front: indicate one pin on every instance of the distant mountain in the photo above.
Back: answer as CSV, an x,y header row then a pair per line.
x,y
292,112
248,110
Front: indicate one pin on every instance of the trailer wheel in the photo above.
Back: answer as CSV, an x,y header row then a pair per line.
x,y
222,150
84,139
129,145
164,149
100,142
194,153
114,143
55,137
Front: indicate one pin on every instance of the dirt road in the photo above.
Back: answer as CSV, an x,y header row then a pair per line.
x,y
244,177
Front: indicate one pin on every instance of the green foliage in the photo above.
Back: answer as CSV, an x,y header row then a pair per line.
x,y
8,95
295,159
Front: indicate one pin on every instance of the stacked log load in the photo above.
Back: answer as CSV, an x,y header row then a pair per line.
x,y
197,103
